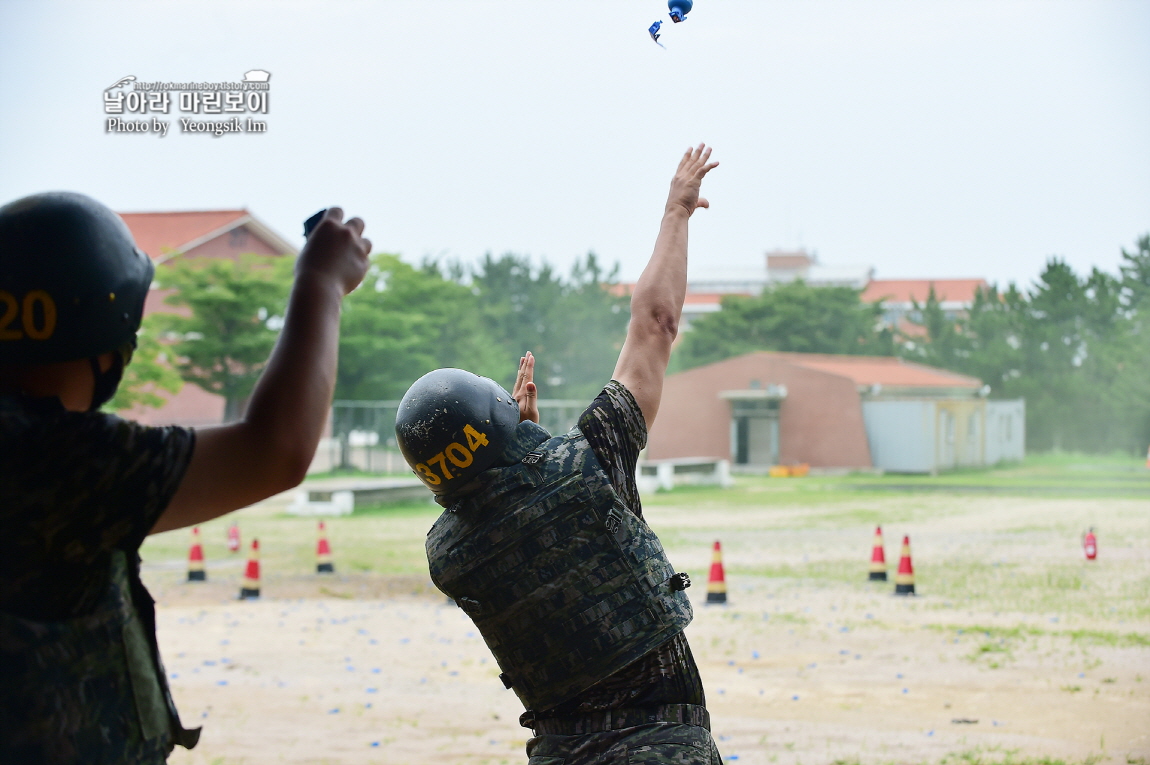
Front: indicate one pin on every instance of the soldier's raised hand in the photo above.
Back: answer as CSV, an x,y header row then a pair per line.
x,y
336,250
525,391
688,180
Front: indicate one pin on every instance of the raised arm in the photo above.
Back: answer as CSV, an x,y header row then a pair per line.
x,y
657,302
270,449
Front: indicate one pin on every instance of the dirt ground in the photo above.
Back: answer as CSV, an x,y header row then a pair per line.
x,y
1015,650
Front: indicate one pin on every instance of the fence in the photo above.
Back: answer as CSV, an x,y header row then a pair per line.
x,y
363,433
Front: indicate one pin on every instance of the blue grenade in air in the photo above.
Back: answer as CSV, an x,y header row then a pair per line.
x,y
679,9
654,32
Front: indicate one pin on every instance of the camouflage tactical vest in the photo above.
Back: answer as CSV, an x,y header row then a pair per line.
x,y
89,689
565,584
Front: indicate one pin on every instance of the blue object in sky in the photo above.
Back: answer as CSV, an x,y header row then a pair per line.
x,y
679,9
654,31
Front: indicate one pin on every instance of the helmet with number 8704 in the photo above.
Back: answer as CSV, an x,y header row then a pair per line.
x,y
452,425
72,281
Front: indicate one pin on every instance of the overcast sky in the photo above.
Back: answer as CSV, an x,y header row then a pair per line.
x,y
926,138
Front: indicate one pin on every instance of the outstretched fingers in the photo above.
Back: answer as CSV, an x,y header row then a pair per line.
x,y
701,166
695,161
685,162
525,392
526,371
694,165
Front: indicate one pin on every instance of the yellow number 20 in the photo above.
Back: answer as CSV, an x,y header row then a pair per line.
x,y
41,329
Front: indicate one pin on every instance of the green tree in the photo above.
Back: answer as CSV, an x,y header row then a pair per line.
x,y
235,310
1053,351
595,325
992,333
1135,271
1068,345
574,326
792,317
1132,388
404,322
149,372
943,343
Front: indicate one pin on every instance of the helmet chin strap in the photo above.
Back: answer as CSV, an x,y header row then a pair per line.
x,y
105,382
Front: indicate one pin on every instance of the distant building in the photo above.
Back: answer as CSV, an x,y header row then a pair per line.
x,y
791,265
705,294
766,408
899,296
165,236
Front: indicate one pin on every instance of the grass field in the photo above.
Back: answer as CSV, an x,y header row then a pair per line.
x,y
1016,650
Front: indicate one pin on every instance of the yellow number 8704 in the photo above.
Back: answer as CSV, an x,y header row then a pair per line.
x,y
455,453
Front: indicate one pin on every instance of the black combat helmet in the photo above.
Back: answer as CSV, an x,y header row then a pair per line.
x,y
452,425
72,281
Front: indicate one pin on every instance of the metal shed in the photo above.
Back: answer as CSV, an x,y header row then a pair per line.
x,y
1005,431
927,435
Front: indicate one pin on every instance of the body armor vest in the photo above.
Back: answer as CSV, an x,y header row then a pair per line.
x,y
566,585
89,689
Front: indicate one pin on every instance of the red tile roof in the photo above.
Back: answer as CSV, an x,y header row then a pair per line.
x,y
881,370
621,289
904,290
160,232
706,298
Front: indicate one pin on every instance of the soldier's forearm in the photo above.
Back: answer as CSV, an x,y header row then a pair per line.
x,y
290,404
659,293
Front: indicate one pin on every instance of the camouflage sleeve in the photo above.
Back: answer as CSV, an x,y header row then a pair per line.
x,y
151,464
121,477
615,429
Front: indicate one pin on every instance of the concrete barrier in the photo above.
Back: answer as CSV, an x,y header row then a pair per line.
x,y
340,496
664,475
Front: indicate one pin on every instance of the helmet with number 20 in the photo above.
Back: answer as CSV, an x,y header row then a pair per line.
x,y
72,281
452,425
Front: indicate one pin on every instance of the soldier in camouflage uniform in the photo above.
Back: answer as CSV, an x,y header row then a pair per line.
x,y
80,673
544,545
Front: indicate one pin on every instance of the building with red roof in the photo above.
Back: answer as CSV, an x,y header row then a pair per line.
x,y
900,296
827,411
165,236
897,296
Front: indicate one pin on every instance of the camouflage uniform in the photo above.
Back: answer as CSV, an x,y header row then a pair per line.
x,y
647,744
652,706
80,673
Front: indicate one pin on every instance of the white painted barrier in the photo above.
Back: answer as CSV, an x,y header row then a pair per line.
x,y
664,475
339,497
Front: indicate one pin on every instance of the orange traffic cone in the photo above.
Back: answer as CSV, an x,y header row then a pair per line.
x,y
234,538
1090,544
717,582
323,564
251,586
904,580
877,558
196,571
